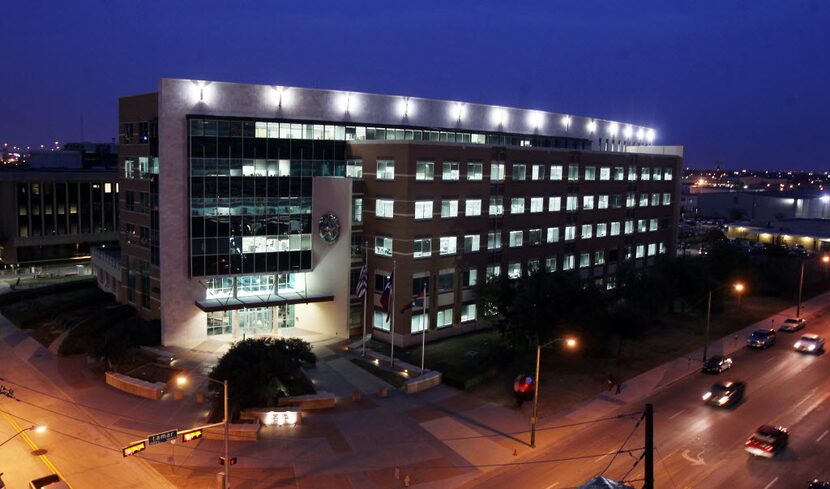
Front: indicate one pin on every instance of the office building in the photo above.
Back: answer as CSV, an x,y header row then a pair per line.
x,y
250,209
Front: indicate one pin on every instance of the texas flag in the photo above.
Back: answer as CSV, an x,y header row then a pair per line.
x,y
418,301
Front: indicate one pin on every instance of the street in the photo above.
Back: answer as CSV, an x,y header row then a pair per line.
x,y
698,446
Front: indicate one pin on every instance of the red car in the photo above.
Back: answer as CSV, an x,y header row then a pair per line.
x,y
767,441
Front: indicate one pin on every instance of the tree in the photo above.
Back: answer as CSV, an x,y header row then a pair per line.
x,y
261,370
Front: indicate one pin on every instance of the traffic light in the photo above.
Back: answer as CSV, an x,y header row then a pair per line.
x,y
131,450
221,460
191,435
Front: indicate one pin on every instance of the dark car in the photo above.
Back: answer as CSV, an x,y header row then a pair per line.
x,y
767,441
817,484
725,393
717,364
761,338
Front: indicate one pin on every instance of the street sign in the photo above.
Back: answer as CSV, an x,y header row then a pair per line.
x,y
162,437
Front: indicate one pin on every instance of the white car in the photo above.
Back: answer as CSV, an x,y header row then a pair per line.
x,y
793,324
810,343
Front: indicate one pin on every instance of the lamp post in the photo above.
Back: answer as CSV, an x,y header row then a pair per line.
x,y
739,288
36,429
825,259
181,380
800,289
570,343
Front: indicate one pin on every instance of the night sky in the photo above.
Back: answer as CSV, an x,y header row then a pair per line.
x,y
745,83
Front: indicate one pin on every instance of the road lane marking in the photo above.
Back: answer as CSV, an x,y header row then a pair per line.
x,y
769,359
552,485
43,458
678,413
693,460
597,460
771,483
822,435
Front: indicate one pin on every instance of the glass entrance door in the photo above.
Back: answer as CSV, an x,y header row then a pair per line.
x,y
255,321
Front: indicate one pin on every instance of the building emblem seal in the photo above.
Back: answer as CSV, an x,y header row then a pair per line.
x,y
329,227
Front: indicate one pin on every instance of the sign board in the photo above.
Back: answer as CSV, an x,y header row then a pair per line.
x,y
162,437
133,449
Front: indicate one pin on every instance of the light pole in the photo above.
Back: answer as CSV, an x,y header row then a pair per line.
x,y
800,288
36,429
739,288
570,343
181,380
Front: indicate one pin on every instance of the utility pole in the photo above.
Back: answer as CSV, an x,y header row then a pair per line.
x,y
708,319
649,448
800,288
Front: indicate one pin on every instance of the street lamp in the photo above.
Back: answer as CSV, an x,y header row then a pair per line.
x,y
181,380
739,288
36,429
569,343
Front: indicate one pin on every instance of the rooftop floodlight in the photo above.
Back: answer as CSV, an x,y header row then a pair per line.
x,y
650,135
566,121
198,91
345,102
640,134
612,129
282,97
536,119
825,198
592,126
628,132
456,111
498,116
404,107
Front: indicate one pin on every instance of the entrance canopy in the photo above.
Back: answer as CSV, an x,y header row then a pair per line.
x,y
265,300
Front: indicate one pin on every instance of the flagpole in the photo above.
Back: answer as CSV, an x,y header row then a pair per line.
x,y
365,292
423,329
392,312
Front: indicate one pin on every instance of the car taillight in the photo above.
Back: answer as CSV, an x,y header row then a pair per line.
x,y
748,442
768,448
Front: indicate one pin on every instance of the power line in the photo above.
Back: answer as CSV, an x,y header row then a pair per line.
x,y
636,425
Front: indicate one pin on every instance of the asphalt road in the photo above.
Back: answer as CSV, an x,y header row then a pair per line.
x,y
698,446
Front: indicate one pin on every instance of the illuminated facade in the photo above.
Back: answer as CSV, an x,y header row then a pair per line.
x,y
263,201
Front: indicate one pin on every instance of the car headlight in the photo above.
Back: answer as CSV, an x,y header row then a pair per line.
x,y
811,347
797,344
723,400
707,396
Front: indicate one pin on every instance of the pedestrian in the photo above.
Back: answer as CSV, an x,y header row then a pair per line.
x,y
619,385
610,382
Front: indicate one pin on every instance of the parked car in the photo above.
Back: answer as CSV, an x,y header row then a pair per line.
x,y
761,338
793,324
51,481
767,441
810,343
817,484
717,364
725,393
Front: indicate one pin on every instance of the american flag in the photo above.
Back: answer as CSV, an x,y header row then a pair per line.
x,y
360,288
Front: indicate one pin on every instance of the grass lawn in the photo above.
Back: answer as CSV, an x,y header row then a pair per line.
x,y
383,374
570,377
26,282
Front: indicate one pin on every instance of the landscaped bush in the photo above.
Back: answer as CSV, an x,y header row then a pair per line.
x,y
29,310
34,293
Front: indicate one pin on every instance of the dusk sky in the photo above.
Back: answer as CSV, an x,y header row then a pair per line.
x,y
745,83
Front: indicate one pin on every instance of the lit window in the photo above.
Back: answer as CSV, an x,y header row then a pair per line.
x,y
383,245
497,172
556,172
552,235
632,173
475,172
472,243
516,238
629,227
571,202
517,205
667,175
599,257
570,233
537,172
663,248
450,171
657,174
534,236
354,168
532,266
514,270
537,204
652,249
493,270
573,173
472,207
384,208
643,200
642,225
655,199
469,278
357,209
519,172
496,206
584,260
605,173
550,264
424,170
449,208
468,312
652,225
590,173
419,322
568,262
587,202
641,251
423,209
379,320
386,170
554,204
448,245
443,318
644,173
666,198
615,228
587,231
602,229
619,173
422,248
630,199
493,240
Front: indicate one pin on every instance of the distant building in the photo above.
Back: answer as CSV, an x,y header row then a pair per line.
x,y
55,214
811,234
77,156
758,208
250,210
